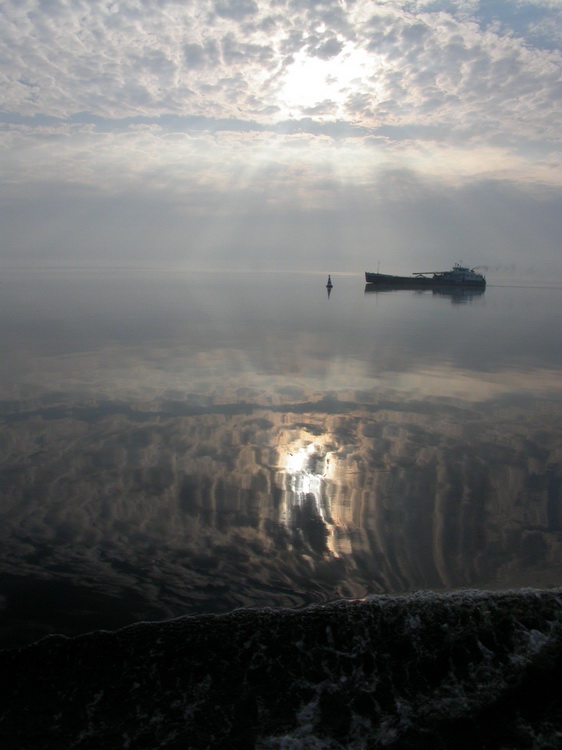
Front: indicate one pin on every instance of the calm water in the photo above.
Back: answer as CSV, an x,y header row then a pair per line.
x,y
194,444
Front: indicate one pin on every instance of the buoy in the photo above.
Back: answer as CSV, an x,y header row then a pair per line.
x,y
329,285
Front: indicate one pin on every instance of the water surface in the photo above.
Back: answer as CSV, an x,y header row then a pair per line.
x,y
191,444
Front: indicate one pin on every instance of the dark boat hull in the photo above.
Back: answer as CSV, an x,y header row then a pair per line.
x,y
415,282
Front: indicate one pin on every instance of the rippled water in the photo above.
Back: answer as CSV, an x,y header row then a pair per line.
x,y
191,444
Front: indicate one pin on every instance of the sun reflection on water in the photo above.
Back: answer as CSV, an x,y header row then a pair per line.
x,y
306,477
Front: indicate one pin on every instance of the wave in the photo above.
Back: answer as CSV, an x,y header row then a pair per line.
x,y
469,669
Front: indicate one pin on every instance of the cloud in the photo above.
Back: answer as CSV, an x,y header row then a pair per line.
x,y
325,49
198,56
236,9
166,58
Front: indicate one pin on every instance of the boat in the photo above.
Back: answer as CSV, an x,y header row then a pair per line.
x,y
458,276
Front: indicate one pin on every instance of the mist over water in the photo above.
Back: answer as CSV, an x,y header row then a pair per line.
x,y
199,443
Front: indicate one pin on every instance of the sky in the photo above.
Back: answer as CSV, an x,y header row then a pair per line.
x,y
302,135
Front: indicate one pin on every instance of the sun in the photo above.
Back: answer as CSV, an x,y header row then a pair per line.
x,y
314,86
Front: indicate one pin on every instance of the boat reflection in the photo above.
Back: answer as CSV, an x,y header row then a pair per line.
x,y
456,294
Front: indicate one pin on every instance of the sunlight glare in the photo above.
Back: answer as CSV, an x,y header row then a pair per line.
x,y
312,82
298,462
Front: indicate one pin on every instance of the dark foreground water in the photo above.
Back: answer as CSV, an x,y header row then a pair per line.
x,y
197,444
460,671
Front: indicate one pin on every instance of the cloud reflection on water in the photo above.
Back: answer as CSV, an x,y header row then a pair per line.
x,y
202,512
183,475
